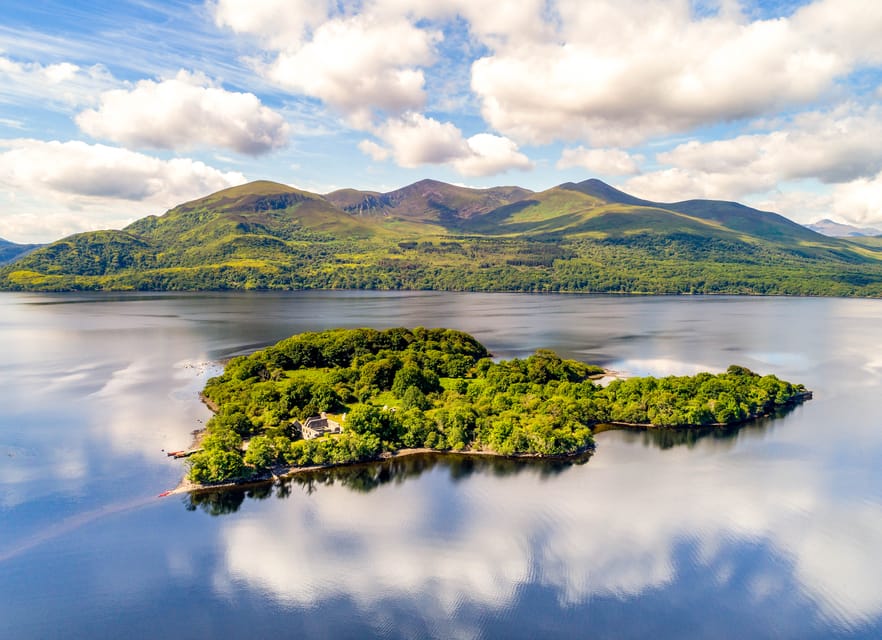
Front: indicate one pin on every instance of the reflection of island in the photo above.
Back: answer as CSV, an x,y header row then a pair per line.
x,y
343,397
367,477
670,437
636,529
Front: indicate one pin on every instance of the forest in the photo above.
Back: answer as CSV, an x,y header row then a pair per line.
x,y
636,264
440,389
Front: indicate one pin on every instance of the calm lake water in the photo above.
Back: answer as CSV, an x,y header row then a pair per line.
x,y
771,531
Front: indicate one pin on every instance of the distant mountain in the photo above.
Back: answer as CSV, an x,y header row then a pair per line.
x,y
594,207
10,251
838,230
731,215
585,236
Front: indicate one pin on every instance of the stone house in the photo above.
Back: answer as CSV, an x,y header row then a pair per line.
x,y
317,426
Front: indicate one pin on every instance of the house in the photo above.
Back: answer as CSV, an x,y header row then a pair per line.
x,y
317,426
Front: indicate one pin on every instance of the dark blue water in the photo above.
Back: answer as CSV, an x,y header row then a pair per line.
x,y
773,530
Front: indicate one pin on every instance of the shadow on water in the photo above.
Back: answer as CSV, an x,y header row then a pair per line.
x,y
363,478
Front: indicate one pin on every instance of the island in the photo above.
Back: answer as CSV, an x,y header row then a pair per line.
x,y
346,396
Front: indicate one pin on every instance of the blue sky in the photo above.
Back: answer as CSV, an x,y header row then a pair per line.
x,y
114,110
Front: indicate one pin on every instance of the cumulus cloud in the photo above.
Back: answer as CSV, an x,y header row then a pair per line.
x,y
356,62
80,169
87,186
372,149
350,65
621,72
610,73
859,201
184,112
799,205
834,147
489,154
281,23
610,162
674,184
60,85
414,140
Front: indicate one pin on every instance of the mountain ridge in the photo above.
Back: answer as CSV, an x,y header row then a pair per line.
x,y
427,201
12,251
585,236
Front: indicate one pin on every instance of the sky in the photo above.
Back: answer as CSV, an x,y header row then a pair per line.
x,y
112,110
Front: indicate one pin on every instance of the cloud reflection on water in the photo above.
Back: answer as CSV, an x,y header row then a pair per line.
x,y
609,528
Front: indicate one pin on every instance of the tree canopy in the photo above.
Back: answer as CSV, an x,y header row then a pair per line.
x,y
439,389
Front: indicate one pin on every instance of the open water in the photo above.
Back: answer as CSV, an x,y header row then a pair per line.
x,y
770,531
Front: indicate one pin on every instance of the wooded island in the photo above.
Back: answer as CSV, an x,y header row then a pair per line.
x,y
352,395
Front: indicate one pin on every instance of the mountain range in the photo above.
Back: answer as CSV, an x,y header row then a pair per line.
x,y
839,230
10,251
585,236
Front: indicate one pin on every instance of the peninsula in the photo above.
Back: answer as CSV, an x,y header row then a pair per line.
x,y
353,395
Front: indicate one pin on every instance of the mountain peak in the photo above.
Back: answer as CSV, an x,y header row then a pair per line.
x,y
602,191
259,195
427,200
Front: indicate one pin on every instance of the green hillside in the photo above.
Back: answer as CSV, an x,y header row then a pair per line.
x,y
732,215
586,237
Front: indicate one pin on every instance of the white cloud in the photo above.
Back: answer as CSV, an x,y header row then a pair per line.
x,y
674,184
359,64
834,146
800,205
80,169
282,23
414,140
859,201
610,162
837,147
621,72
184,112
12,123
372,149
61,85
356,62
81,186
490,155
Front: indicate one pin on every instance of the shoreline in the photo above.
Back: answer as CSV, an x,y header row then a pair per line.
x,y
795,400
281,472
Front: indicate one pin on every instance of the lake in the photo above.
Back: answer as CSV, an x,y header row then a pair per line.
x,y
773,530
